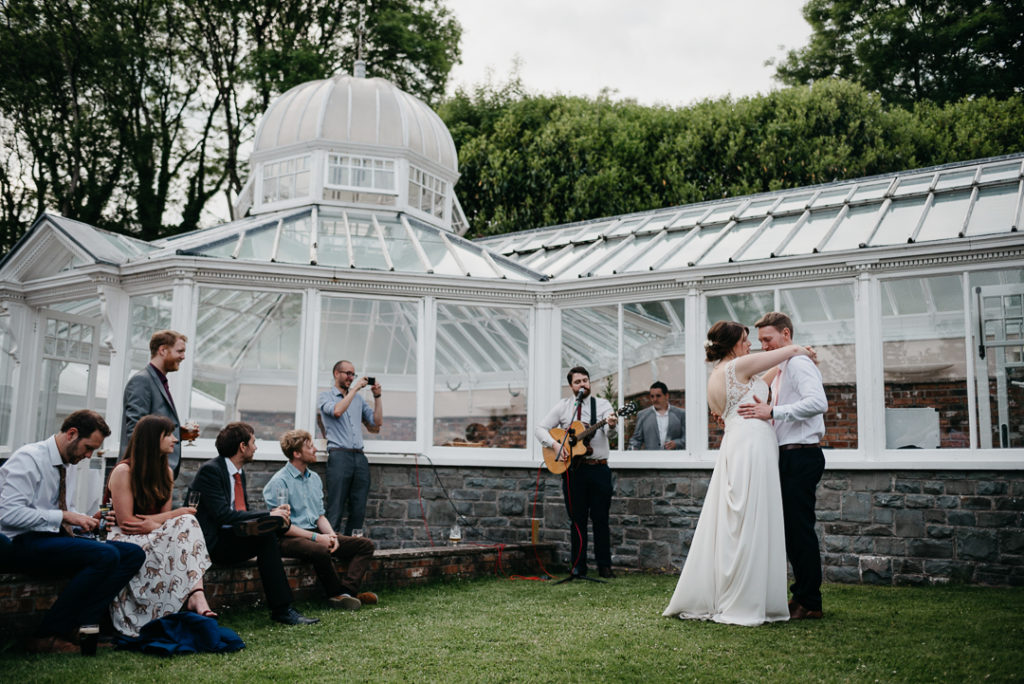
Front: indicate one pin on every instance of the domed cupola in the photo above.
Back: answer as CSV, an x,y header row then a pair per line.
x,y
353,142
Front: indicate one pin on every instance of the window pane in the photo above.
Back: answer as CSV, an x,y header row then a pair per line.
x,y
655,350
590,339
480,393
997,298
246,366
924,369
7,396
63,389
149,314
379,338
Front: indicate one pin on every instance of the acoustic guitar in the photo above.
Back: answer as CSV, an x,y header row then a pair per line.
x,y
577,440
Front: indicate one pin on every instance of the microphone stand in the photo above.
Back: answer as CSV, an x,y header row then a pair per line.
x,y
575,574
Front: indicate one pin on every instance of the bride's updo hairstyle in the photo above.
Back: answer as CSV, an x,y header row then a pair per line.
x,y
722,337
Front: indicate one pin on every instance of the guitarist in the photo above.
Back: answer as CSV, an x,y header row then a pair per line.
x,y
587,486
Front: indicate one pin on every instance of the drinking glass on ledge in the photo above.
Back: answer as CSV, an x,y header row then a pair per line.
x,y
190,432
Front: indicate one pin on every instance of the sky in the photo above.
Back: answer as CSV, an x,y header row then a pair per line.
x,y
671,52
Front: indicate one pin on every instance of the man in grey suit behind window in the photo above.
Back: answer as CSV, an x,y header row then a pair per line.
x,y
147,391
659,426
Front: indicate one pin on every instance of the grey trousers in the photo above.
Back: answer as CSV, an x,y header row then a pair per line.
x,y
348,484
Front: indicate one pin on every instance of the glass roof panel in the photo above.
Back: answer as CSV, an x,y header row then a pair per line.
x,y
955,179
653,256
796,202
770,238
913,184
688,217
759,208
1000,172
831,197
656,224
854,229
257,243
722,213
812,232
591,231
332,244
899,222
590,263
994,211
226,247
946,217
625,228
296,238
401,249
730,243
692,249
365,244
623,255
870,191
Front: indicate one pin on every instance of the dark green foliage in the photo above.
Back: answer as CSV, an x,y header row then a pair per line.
x,y
914,50
531,161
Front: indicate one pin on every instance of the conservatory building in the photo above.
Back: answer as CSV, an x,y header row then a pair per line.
x,y
909,285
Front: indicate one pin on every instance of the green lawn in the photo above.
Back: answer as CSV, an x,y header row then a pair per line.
x,y
501,630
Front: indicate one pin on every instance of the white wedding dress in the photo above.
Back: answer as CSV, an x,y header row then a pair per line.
x,y
735,571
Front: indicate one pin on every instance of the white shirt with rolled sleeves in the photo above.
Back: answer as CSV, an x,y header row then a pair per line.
x,y
799,402
29,482
564,413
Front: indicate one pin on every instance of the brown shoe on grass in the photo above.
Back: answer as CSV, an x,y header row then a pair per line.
x,y
367,598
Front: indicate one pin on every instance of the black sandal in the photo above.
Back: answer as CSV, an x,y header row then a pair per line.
x,y
206,613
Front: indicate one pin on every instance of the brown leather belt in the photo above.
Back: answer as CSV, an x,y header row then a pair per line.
x,y
794,447
603,461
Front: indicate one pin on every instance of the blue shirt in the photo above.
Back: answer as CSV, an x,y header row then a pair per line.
x,y
346,431
305,495
29,482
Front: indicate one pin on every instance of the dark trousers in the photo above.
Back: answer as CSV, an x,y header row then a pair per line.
x,y
101,570
348,485
800,471
231,549
357,552
588,494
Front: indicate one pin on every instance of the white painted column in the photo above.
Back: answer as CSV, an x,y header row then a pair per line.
x,y
309,354
115,308
185,304
696,381
870,368
425,351
545,374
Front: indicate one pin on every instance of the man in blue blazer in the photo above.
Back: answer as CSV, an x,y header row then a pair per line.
x,y
147,392
659,426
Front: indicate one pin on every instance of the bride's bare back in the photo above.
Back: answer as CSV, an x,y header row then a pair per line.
x,y
746,366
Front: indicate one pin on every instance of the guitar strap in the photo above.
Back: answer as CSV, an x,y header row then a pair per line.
x,y
593,410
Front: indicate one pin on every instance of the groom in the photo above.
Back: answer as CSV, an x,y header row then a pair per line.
x,y
796,410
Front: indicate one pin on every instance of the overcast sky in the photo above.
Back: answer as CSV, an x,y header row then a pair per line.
x,y
671,52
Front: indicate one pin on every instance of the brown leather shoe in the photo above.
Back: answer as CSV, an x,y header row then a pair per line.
x,y
49,644
798,612
367,598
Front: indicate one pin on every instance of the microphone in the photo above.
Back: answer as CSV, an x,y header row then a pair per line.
x,y
579,396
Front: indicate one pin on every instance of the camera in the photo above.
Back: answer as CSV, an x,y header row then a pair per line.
x,y
371,381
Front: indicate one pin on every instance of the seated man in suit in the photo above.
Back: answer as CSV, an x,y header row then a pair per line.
x,y
47,534
659,426
233,532
310,536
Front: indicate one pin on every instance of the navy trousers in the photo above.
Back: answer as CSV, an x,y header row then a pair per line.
x,y
348,486
588,494
100,569
799,473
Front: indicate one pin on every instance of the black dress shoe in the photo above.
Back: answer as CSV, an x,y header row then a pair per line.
x,y
292,617
606,573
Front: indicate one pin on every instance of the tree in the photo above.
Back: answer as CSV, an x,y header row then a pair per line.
x,y
129,114
911,50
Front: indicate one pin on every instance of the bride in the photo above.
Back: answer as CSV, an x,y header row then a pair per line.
x,y
735,571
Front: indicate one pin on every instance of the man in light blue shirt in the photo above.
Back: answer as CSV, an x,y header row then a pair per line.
x,y
45,532
343,411
311,536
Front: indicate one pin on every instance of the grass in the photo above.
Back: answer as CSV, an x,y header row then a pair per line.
x,y
520,631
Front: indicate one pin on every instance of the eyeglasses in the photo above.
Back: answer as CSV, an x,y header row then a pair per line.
x,y
347,372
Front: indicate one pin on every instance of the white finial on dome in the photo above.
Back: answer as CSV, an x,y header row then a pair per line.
x,y
359,69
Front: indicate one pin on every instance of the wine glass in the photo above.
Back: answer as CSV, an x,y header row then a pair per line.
x,y
455,534
190,432
193,499
282,497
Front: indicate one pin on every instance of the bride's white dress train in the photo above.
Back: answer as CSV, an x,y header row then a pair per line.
x,y
735,571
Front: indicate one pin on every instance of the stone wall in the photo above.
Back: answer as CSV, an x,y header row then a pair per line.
x,y
878,527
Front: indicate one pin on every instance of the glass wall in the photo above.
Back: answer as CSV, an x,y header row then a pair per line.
x,y
66,366
590,338
481,369
148,313
378,336
654,349
246,360
997,342
923,359
7,364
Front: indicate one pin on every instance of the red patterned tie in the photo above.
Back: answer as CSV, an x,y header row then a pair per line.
x,y
62,488
239,493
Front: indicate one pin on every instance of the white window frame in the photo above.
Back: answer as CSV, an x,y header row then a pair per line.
x,y
332,163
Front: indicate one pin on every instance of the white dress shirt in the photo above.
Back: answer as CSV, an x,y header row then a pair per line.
x,y
798,402
564,413
29,483
662,419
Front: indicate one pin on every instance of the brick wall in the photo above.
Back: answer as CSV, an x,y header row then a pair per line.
x,y
889,527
